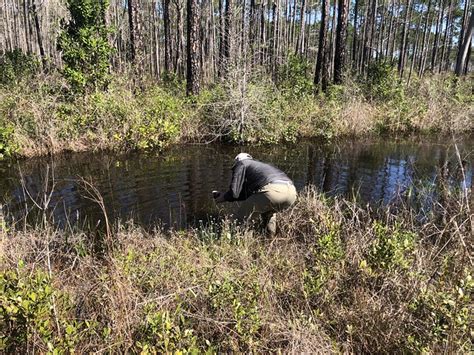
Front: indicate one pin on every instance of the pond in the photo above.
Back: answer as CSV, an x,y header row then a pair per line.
x,y
174,188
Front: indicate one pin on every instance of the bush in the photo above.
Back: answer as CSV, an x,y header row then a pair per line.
x,y
16,66
391,248
236,300
7,145
382,82
293,78
159,122
28,306
164,332
85,47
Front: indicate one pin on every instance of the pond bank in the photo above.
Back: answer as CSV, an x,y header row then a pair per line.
x,y
38,117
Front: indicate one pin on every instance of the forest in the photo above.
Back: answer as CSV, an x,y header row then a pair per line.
x,y
119,119
126,75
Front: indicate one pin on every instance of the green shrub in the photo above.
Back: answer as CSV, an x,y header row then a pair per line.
x,y
7,144
238,301
85,47
382,82
391,248
165,332
293,78
446,310
28,302
16,65
326,256
159,123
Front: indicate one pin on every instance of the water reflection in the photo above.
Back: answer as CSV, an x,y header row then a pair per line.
x,y
174,189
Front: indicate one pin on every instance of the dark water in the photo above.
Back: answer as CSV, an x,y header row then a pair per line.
x,y
173,189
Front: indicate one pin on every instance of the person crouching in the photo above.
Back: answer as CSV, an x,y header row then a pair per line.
x,y
263,188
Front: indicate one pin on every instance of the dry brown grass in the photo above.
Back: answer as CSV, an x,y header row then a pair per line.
x,y
337,278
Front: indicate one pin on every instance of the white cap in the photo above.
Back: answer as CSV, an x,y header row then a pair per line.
x,y
243,156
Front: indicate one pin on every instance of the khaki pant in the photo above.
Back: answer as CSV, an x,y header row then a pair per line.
x,y
266,202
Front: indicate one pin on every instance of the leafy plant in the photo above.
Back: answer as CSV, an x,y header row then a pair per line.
x,y
27,312
382,82
16,65
166,332
239,301
7,144
293,77
391,248
447,310
84,45
326,256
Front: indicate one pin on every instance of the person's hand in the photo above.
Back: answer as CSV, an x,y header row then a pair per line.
x,y
218,196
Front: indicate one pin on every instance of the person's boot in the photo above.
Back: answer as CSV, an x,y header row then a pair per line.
x,y
271,225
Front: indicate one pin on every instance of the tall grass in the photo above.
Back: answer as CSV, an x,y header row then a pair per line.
x,y
338,277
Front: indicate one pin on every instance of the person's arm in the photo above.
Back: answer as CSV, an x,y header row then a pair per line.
x,y
238,178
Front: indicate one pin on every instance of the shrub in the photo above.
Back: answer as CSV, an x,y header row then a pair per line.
x,y
325,256
28,303
238,301
293,78
7,145
159,123
165,332
445,312
16,66
391,248
85,47
382,82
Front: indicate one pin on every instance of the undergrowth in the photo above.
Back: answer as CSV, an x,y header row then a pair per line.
x,y
338,277
42,114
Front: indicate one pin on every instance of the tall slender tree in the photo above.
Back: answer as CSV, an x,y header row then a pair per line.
x,y
321,76
341,36
193,46
403,42
461,61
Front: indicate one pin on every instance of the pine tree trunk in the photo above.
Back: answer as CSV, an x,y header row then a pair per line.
x,y
167,33
193,46
322,72
332,44
381,32
426,29
228,35
179,66
463,25
372,30
26,21
262,33
403,42
354,38
366,38
445,38
300,41
464,53
437,33
390,27
38,34
341,36
131,25
414,50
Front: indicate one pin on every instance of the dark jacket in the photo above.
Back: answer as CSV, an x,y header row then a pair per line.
x,y
249,176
